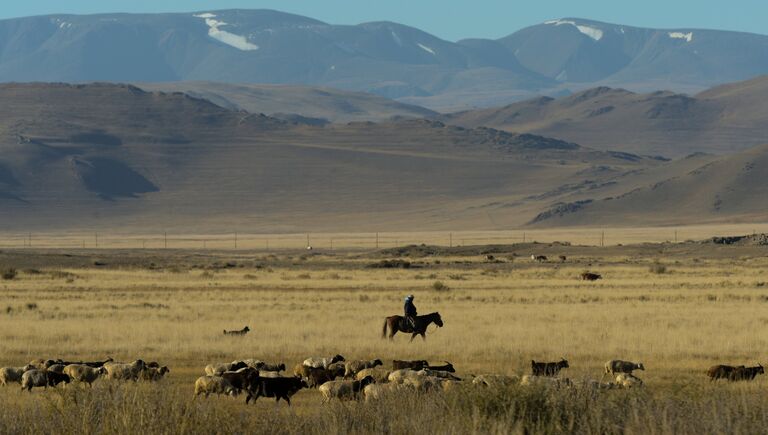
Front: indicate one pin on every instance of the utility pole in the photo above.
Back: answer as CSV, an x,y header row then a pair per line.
x,y
165,240
235,240
450,240
377,240
30,240
602,239
96,239
523,236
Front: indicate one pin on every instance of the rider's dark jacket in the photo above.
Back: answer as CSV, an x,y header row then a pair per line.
x,y
410,309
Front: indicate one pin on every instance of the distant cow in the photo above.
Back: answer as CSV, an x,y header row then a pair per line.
x,y
539,258
548,368
589,276
240,332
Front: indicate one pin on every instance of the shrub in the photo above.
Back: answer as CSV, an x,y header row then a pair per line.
x,y
658,268
10,273
439,286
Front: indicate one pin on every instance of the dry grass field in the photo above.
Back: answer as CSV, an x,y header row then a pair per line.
x,y
677,308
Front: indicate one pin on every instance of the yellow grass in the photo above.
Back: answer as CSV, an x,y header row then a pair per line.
x,y
497,316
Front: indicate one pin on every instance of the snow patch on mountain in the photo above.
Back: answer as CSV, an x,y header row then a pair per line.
x,y
396,38
592,32
680,35
236,41
427,49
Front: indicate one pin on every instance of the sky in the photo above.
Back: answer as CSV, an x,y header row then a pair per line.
x,y
450,19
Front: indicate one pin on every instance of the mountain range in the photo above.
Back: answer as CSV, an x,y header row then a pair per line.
x,y
110,155
388,59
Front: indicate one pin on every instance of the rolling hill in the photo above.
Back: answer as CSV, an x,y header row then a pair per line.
x,y
729,189
106,156
284,101
719,120
388,59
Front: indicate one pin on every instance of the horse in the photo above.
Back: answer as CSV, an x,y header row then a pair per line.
x,y
395,324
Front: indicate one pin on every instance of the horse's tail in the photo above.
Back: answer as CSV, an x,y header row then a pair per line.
x,y
384,330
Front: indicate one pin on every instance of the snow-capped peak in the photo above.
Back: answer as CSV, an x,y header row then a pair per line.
x,y
214,31
592,32
680,35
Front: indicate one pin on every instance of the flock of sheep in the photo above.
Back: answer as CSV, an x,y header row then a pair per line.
x,y
334,377
50,373
337,378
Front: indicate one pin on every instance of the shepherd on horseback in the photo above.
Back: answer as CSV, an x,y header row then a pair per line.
x,y
410,314
411,322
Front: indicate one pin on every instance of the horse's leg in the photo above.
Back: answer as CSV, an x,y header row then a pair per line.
x,y
423,337
413,336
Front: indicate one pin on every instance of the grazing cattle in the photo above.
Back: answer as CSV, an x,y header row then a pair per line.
x,y
240,332
721,371
746,373
413,365
548,368
562,258
589,276
539,258
279,388
615,366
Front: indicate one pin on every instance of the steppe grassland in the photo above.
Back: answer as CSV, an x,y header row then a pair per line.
x,y
497,316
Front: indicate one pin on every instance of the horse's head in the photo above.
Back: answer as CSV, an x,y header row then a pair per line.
x,y
438,320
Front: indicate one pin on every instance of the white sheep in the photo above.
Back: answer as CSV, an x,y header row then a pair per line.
x,y
377,391
219,368
34,378
352,367
213,385
615,366
628,380
496,380
121,371
438,374
13,374
399,376
82,373
548,381
344,390
322,363
378,373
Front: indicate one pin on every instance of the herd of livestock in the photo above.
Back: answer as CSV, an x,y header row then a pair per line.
x,y
334,377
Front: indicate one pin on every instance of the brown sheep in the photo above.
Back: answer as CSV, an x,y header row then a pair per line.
x,y
721,372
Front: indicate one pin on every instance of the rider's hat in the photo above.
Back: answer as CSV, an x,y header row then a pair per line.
x,y
409,298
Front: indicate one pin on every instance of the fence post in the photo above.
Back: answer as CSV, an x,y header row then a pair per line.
x,y
450,240
377,240
235,240
165,240
96,239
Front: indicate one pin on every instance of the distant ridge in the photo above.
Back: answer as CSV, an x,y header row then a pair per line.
x,y
388,59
